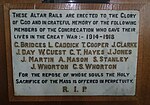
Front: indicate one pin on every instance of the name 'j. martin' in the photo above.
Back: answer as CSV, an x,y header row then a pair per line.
x,y
47,63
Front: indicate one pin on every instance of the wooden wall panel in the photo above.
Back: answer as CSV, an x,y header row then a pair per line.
x,y
146,58
39,1
3,76
111,1
129,1
25,1
4,1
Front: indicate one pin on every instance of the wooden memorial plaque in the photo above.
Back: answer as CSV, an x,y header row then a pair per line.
x,y
76,52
